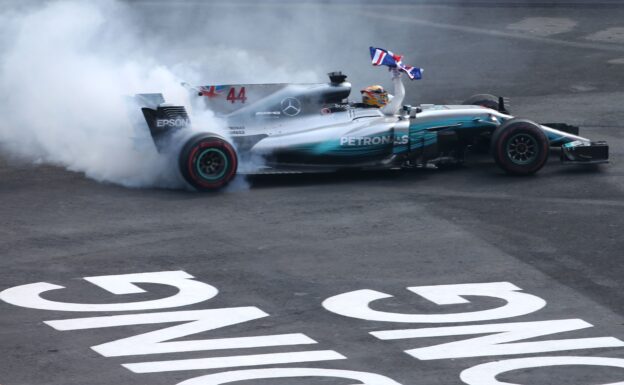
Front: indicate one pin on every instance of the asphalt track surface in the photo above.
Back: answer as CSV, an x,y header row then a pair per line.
x,y
286,243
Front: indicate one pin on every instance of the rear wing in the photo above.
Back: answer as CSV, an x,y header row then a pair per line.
x,y
162,119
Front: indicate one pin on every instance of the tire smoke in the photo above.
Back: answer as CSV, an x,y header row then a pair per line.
x,y
64,72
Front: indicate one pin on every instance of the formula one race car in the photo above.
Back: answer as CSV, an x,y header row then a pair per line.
x,y
311,127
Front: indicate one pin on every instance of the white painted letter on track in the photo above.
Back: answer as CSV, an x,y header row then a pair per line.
x,y
356,304
189,292
201,320
499,343
485,374
363,378
234,361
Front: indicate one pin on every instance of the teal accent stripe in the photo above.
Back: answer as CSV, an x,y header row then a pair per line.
x,y
334,148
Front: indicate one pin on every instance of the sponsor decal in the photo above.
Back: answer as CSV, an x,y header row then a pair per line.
x,y
212,91
268,113
234,96
481,337
176,123
373,140
291,106
237,130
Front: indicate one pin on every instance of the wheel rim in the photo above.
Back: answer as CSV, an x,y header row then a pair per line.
x,y
522,149
211,164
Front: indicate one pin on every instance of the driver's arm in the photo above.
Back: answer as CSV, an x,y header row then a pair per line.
x,y
396,103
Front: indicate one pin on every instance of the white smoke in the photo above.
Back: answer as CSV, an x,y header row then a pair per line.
x,y
64,69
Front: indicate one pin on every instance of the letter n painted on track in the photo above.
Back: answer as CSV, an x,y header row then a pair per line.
x,y
499,343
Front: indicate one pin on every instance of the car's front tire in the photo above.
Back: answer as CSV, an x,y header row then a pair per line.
x,y
520,147
208,162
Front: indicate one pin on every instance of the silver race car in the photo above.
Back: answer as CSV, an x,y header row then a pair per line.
x,y
280,128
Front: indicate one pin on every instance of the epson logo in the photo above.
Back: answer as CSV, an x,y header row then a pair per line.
x,y
179,122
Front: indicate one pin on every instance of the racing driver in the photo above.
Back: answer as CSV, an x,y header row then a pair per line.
x,y
376,96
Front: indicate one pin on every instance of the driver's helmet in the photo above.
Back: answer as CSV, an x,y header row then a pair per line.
x,y
374,96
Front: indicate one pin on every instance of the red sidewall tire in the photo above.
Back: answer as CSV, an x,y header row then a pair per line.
x,y
190,155
511,129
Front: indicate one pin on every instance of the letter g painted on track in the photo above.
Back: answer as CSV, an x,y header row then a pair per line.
x,y
189,292
356,304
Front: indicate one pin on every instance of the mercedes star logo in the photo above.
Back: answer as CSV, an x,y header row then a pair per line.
x,y
291,106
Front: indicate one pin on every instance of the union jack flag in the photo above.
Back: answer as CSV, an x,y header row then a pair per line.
x,y
381,56
211,91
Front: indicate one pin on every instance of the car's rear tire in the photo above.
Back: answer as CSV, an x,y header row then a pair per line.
x,y
483,100
208,162
520,147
